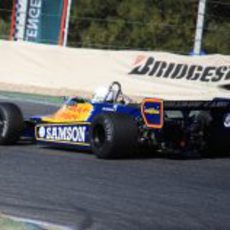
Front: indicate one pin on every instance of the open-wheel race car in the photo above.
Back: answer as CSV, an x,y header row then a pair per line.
x,y
111,125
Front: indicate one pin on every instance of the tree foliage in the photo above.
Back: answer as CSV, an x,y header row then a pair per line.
x,y
148,24
167,25
131,24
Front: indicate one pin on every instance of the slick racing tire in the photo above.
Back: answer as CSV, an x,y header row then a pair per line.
x,y
11,123
113,135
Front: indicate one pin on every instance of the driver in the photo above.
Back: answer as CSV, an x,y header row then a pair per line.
x,y
100,95
103,94
111,95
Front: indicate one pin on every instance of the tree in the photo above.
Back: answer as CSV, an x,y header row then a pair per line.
x,y
5,14
167,25
217,30
147,24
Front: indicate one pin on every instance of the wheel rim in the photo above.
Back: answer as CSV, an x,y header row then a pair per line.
x,y
98,136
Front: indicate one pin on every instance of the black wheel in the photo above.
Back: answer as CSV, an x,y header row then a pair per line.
x,y
11,123
113,135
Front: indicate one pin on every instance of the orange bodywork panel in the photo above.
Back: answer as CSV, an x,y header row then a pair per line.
x,y
70,113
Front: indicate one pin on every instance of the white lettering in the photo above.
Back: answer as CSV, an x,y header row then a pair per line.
x,y
48,135
32,25
66,133
75,134
34,13
82,131
36,3
54,133
62,133
69,134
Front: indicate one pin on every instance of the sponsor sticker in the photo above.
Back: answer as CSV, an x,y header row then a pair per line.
x,y
152,110
108,109
72,134
151,67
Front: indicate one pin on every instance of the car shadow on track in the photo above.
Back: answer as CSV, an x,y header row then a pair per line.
x,y
134,156
25,143
137,156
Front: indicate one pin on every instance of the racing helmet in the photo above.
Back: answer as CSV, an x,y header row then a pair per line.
x,y
100,94
103,94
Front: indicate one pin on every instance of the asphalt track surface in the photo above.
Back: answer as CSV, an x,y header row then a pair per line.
x,y
82,192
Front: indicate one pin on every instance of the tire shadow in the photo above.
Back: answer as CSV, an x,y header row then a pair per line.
x,y
135,156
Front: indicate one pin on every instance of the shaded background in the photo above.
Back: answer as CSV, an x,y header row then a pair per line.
x,y
166,25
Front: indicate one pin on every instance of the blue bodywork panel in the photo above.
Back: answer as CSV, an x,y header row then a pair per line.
x,y
75,134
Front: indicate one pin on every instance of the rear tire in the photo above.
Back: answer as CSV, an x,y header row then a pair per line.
x,y
113,135
11,123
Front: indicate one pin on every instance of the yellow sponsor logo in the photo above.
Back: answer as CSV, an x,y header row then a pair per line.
x,y
152,111
79,112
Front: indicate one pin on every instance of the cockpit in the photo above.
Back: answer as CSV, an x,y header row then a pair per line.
x,y
113,94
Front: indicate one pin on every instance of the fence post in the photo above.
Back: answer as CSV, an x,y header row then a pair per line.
x,y
199,27
67,23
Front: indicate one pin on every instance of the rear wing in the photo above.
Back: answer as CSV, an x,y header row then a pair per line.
x,y
152,109
216,103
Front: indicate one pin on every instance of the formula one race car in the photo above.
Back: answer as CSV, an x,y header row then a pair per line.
x,y
112,126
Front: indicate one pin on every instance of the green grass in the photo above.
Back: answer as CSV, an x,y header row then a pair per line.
x,y
8,224
29,96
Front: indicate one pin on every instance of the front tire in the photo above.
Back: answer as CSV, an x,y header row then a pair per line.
x,y
11,123
113,135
